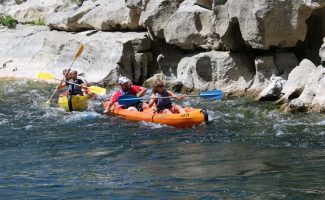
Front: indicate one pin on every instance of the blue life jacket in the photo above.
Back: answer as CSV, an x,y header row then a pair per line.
x,y
163,103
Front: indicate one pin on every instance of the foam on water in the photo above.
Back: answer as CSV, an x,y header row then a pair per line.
x,y
152,125
79,116
4,121
244,150
212,115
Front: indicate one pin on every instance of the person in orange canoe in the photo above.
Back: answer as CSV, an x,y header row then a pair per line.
x,y
164,105
127,89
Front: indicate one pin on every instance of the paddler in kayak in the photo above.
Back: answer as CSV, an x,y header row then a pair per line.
x,y
67,76
164,105
75,87
127,89
77,83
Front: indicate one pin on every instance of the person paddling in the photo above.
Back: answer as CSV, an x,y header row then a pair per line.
x,y
72,77
164,105
127,89
76,88
67,77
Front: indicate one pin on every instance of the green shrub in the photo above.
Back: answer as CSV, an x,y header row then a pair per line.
x,y
8,21
39,22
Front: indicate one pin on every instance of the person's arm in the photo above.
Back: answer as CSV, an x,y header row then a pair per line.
x,y
152,100
108,107
112,100
172,94
142,91
62,84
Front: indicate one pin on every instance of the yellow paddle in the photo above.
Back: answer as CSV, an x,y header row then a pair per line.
x,y
81,48
50,77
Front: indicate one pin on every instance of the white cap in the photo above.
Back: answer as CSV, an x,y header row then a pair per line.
x,y
123,80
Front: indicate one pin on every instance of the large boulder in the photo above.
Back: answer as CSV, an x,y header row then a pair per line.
x,y
157,14
31,10
273,90
296,105
262,24
229,72
190,26
106,15
67,18
297,80
322,52
27,50
314,91
312,96
265,68
112,15
318,101
271,74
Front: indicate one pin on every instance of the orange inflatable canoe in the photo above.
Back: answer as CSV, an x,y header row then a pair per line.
x,y
192,117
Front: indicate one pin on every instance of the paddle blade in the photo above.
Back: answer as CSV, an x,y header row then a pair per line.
x,y
45,76
46,104
97,90
127,100
81,48
214,94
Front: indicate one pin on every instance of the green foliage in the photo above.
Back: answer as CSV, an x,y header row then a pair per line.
x,y
8,21
78,2
39,22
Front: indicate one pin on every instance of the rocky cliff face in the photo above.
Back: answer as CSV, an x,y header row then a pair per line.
x,y
268,49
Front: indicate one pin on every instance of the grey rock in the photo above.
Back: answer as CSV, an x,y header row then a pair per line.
x,y
296,105
191,26
216,70
322,52
156,15
106,55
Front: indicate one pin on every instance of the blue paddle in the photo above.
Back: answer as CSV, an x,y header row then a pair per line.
x,y
127,100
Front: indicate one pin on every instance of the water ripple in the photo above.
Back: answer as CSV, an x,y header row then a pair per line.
x,y
246,150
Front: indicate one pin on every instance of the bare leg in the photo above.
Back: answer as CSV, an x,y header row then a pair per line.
x,y
145,105
132,108
180,109
166,111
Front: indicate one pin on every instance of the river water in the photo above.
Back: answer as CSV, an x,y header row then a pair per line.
x,y
247,150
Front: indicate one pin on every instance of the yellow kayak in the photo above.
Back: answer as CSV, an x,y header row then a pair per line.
x,y
78,103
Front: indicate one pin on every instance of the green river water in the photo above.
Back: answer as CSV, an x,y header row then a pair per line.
x,y
247,150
